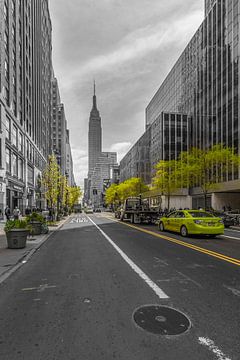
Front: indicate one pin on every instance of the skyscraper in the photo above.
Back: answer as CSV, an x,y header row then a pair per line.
x,y
99,163
94,135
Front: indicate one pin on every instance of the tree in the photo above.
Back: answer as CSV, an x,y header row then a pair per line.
x,y
130,187
167,178
73,195
206,168
50,179
111,195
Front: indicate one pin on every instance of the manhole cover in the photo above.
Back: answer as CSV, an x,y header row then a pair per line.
x,y
161,320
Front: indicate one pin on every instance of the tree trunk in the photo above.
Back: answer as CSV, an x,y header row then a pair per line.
x,y
205,201
168,201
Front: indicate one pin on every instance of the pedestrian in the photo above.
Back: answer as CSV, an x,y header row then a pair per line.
x,y
27,211
7,212
16,213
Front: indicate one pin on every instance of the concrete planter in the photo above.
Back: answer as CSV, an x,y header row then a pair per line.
x,y
17,238
36,227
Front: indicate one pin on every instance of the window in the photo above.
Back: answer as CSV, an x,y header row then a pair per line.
x,y
14,135
0,152
6,40
20,169
5,11
8,160
7,129
20,142
6,94
27,149
30,175
6,68
14,165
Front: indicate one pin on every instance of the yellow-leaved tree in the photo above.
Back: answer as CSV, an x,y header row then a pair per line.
x,y
50,181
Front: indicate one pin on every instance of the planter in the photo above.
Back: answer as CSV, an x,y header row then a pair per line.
x,y
36,228
17,238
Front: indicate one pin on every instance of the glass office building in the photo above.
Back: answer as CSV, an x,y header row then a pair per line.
x,y
204,83
203,88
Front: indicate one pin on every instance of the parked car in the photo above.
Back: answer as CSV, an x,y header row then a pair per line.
x,y
227,220
98,210
186,222
234,214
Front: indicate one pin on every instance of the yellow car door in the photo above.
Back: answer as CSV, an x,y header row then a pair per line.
x,y
171,221
180,220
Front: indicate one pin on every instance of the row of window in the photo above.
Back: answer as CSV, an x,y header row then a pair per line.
x,y
15,137
14,164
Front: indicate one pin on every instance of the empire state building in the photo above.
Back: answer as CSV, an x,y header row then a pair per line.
x,y
94,136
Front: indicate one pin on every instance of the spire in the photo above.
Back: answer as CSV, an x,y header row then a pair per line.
x,y
94,96
94,111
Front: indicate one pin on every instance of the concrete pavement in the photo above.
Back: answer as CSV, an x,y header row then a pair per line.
x,y
12,259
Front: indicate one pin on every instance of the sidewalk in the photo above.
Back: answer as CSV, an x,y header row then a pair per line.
x,y
12,259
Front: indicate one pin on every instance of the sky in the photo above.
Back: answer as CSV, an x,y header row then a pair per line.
x,y
128,47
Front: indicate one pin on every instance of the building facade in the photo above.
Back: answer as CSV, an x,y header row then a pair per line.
x,y
25,100
164,139
204,85
137,163
101,177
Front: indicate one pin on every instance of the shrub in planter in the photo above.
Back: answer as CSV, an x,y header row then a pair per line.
x,y
16,233
35,220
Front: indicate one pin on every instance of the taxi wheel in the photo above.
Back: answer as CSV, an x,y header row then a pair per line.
x,y
161,226
184,231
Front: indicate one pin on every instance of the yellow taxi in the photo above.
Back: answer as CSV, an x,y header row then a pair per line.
x,y
192,222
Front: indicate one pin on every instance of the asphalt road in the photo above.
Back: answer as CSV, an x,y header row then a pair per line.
x,y
78,297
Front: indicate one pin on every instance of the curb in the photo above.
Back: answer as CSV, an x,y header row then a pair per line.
x,y
22,260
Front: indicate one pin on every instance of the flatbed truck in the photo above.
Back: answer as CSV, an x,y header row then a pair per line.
x,y
138,211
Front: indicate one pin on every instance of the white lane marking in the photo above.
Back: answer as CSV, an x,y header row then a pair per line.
x,y
159,292
230,237
233,290
78,220
213,348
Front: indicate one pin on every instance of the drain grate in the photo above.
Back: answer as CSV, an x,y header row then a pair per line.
x,y
161,320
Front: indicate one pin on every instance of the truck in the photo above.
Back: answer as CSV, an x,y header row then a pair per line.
x,y
138,210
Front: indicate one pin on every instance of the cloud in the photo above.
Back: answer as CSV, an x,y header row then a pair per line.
x,y
129,48
80,162
136,46
121,149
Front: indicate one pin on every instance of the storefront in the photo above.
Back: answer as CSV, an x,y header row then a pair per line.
x,y
15,197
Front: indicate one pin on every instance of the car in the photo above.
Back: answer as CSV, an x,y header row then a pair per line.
x,y
88,210
227,220
192,222
97,210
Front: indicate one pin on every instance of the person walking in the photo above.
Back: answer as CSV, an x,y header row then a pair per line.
x,y
16,213
7,212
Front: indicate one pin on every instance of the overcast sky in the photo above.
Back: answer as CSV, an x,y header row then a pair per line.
x,y
128,47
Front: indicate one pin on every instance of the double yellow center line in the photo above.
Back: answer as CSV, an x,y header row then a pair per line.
x,y
183,243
